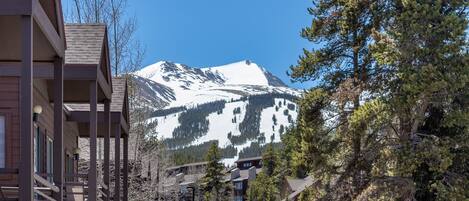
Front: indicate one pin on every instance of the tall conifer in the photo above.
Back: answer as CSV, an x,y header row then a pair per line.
x,y
389,116
212,183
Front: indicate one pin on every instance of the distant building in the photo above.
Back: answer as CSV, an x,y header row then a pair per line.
x,y
188,186
240,180
184,179
198,167
246,170
246,163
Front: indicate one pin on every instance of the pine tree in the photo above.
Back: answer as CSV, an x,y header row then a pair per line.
x,y
212,183
389,117
345,64
266,184
291,147
269,160
427,47
263,188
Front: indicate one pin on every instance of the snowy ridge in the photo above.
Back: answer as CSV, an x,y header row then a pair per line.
x,y
176,88
192,86
239,73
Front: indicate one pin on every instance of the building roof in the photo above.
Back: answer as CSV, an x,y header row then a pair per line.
x,y
84,43
187,165
117,100
191,178
249,159
299,185
118,94
243,175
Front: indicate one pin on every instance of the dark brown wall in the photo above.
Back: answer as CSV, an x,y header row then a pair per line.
x,y
257,163
9,106
46,119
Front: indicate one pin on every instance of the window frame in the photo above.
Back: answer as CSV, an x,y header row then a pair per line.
x,y
238,185
8,113
36,149
49,169
69,165
4,142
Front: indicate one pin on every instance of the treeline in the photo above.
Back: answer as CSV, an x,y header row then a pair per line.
x,y
197,153
256,149
166,112
249,127
193,124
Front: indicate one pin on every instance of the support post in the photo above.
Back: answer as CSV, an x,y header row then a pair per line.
x,y
58,158
117,156
107,134
92,174
126,169
26,171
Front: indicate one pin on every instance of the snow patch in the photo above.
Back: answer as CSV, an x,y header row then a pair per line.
x,y
267,125
221,124
243,72
167,124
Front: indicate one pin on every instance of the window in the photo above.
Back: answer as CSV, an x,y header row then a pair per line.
x,y
247,164
69,165
39,150
36,149
49,158
2,141
238,185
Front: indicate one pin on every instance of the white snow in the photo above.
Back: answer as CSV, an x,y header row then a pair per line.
x,y
166,125
267,123
190,88
242,72
229,82
228,162
221,124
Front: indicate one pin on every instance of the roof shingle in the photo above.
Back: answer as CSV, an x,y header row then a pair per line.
x,y
117,100
84,43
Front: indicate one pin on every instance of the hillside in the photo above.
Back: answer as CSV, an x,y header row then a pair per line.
x,y
240,105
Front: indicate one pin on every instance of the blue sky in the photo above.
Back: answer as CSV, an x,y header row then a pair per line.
x,y
205,33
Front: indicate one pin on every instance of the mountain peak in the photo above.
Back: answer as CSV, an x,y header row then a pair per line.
x,y
240,73
160,67
247,72
245,62
244,72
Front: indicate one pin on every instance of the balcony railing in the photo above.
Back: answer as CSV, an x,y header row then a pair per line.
x,y
78,186
42,187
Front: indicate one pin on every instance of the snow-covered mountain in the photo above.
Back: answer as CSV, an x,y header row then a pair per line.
x,y
240,105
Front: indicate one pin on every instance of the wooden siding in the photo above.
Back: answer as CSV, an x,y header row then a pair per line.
x,y
9,107
46,119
